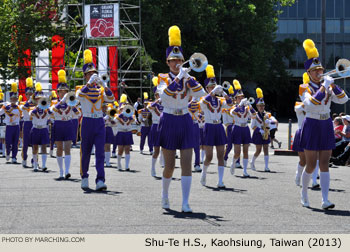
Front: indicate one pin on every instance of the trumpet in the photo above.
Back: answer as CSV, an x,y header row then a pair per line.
x,y
251,100
111,112
105,77
71,100
342,69
198,62
266,127
128,110
44,103
226,85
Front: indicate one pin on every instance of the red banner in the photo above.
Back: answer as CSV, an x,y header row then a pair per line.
x,y
94,55
58,47
113,70
25,62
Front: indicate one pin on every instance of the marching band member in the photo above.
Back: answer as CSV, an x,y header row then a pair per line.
x,y
317,136
12,116
91,97
201,123
124,138
111,130
176,125
63,126
27,123
300,113
39,133
261,131
2,127
214,132
227,120
240,132
156,109
54,101
144,118
116,106
20,103
194,108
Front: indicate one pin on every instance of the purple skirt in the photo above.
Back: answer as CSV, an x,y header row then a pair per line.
x,y
196,134
176,132
109,136
124,138
296,142
201,136
214,135
154,134
258,139
241,135
63,131
39,136
317,134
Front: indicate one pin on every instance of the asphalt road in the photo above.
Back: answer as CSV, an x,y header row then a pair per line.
x,y
265,203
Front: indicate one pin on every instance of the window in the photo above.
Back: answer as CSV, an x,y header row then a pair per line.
x,y
346,26
318,7
329,8
314,26
346,54
290,26
293,11
301,8
284,12
338,7
332,26
347,8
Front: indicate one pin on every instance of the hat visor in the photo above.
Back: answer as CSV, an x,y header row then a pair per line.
x,y
175,57
91,70
315,68
62,88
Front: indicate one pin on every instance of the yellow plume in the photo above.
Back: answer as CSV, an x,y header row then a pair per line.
x,y
210,71
53,94
236,84
29,82
174,36
145,95
310,49
38,87
62,76
87,56
116,104
14,87
155,81
230,90
110,105
259,93
123,98
306,78
20,98
1,96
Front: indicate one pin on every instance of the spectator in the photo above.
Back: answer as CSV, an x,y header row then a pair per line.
x,y
273,129
338,127
334,115
138,105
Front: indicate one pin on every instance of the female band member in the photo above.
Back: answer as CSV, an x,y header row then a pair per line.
x,y
214,132
317,136
240,132
111,129
261,128
175,123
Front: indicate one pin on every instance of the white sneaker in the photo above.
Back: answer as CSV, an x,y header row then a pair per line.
x,y
165,203
305,202
297,180
100,186
141,151
221,185
245,174
85,183
197,168
252,166
14,161
232,169
186,208
267,169
153,172
51,153
24,163
203,179
7,158
225,163
327,205
114,155
238,165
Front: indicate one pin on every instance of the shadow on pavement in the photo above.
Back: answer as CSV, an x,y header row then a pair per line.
x,y
112,193
211,219
332,212
226,189
250,177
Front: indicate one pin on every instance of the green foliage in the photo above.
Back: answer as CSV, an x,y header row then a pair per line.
x,y
29,24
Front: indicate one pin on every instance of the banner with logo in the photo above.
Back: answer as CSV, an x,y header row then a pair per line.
x,y
102,21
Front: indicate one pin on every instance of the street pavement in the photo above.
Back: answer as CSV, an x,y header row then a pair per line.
x,y
265,203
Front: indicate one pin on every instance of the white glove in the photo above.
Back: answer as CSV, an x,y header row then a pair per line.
x,y
217,90
92,79
328,80
262,132
243,102
182,74
65,97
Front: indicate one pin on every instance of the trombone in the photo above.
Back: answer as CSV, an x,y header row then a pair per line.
x,y
111,112
71,100
44,103
342,69
128,110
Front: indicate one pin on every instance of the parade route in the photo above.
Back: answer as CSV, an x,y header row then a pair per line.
x,y
264,203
